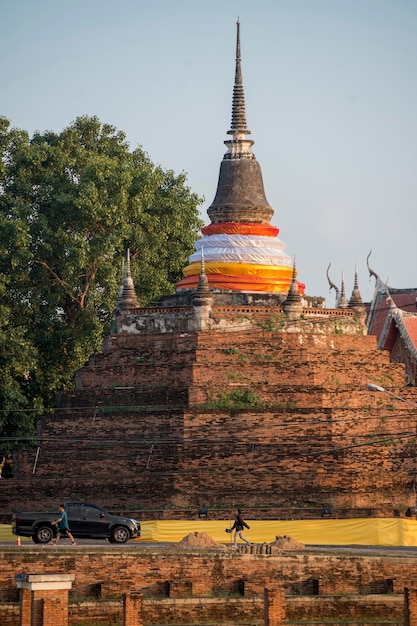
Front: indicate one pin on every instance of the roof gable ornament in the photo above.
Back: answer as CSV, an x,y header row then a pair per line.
x,y
378,281
333,286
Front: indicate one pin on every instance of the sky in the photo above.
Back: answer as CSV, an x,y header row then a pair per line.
x,y
331,100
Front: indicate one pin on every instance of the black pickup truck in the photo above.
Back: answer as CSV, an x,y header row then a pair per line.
x,y
85,521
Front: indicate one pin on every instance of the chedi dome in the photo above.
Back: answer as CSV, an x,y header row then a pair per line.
x,y
242,251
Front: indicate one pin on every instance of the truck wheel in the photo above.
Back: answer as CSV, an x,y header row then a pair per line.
x,y
120,534
43,534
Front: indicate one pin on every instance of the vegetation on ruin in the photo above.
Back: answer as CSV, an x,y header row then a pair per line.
x,y
236,399
274,323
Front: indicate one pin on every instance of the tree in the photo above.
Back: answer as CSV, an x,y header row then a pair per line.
x,y
70,206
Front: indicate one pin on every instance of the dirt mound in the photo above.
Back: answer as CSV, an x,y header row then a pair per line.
x,y
199,540
284,542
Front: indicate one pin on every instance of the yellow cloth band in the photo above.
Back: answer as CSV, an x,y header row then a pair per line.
x,y
241,269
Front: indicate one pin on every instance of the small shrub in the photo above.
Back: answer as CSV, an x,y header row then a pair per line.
x,y
237,399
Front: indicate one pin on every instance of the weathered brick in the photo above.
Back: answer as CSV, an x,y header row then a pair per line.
x,y
143,426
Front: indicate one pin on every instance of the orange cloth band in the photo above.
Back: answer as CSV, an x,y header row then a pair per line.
x,y
241,283
240,228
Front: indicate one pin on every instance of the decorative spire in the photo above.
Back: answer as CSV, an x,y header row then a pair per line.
x,y
371,271
379,283
343,301
240,195
292,304
203,295
238,128
127,296
356,298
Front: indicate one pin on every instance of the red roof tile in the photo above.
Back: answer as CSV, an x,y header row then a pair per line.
x,y
411,325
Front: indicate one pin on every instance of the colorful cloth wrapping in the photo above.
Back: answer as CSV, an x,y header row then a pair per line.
x,y
240,283
240,256
241,228
241,249
239,269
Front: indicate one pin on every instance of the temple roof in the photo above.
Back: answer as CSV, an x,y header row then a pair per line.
x,y
403,299
392,318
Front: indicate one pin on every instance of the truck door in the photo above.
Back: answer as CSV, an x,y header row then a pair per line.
x,y
93,520
74,518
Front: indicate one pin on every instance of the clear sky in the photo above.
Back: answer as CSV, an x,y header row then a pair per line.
x,y
331,100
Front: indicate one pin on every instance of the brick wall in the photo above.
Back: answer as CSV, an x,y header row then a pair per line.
x,y
410,607
153,424
104,572
133,609
43,598
336,585
236,610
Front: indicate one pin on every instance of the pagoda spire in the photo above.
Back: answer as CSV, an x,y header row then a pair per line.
x,y
127,296
238,127
240,195
203,295
293,305
356,298
343,301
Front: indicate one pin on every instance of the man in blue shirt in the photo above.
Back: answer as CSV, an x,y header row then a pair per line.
x,y
62,524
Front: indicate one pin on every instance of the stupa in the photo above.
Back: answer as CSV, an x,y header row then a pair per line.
x,y
241,247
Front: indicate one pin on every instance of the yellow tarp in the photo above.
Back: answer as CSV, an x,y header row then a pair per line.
x,y
342,532
362,531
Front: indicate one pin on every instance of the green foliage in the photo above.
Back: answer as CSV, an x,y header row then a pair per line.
x,y
144,359
241,356
263,358
230,350
274,323
284,405
338,328
70,205
236,399
334,379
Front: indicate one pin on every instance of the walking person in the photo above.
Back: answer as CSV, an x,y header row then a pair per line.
x,y
62,526
238,526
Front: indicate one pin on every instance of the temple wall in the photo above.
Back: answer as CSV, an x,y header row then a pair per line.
x,y
195,586
265,417
105,572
